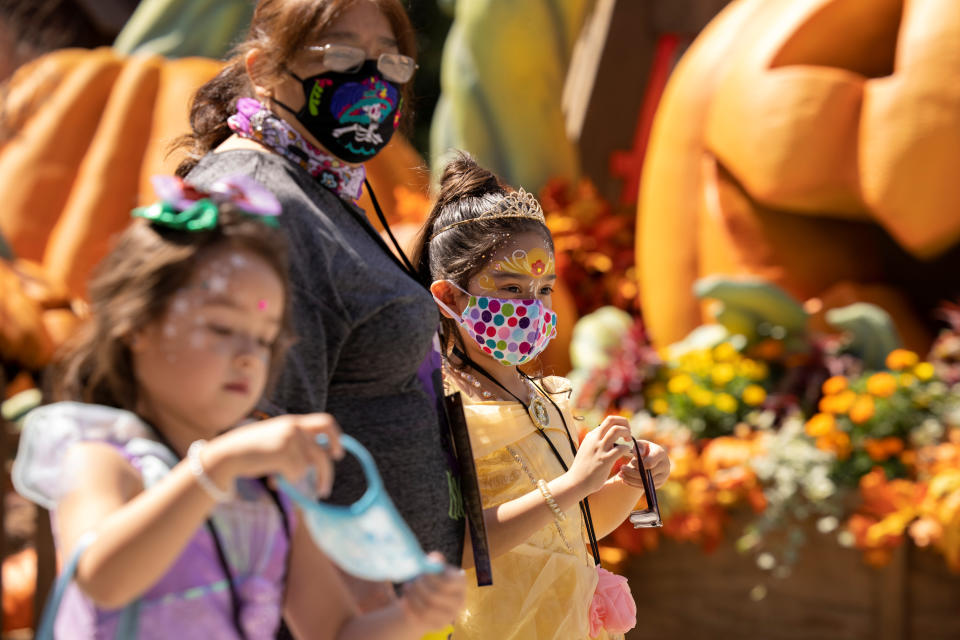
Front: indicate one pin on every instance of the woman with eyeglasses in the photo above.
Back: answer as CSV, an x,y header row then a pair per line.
x,y
317,88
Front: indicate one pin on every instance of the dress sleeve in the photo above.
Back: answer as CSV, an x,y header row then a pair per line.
x,y
39,471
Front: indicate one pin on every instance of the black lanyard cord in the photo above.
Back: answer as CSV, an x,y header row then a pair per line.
x,y
585,503
386,227
235,603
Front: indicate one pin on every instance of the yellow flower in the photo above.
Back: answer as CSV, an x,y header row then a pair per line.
x,y
701,397
907,380
754,395
820,425
680,383
660,406
882,385
722,374
725,352
834,385
901,360
725,402
657,389
924,371
752,369
862,409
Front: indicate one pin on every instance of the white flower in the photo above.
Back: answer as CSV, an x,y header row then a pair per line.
x,y
766,561
827,524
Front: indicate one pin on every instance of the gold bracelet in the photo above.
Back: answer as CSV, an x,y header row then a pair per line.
x,y
548,498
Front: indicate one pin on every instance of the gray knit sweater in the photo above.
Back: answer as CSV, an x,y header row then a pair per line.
x,y
364,327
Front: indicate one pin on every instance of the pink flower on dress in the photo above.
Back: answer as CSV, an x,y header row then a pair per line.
x,y
612,607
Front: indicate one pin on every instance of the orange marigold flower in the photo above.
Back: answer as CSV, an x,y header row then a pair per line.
x,y
820,425
882,385
768,349
876,449
893,446
834,385
862,410
838,404
837,442
901,360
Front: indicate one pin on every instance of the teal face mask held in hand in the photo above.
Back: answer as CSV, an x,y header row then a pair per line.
x,y
368,538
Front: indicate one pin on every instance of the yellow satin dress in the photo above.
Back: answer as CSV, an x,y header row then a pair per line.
x,y
541,589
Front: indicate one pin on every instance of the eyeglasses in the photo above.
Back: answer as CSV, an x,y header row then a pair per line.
x,y
395,67
650,517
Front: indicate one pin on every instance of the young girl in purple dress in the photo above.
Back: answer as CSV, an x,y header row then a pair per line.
x,y
150,453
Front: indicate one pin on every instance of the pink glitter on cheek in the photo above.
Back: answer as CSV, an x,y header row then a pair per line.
x,y
262,305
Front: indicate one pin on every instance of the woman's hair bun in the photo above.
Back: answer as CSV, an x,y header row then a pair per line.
x,y
464,178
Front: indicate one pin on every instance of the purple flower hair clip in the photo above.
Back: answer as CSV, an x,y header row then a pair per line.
x,y
186,208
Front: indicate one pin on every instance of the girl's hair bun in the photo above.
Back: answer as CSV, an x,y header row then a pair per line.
x,y
464,178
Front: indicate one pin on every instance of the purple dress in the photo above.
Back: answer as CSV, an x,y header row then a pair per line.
x,y
192,600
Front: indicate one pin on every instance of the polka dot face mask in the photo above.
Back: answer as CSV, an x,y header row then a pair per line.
x,y
509,331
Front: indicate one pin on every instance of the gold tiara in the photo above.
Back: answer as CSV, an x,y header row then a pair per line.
x,y
518,204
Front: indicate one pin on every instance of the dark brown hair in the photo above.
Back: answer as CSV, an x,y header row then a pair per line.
x,y
467,191
280,29
133,285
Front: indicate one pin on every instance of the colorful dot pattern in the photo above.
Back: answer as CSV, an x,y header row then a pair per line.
x,y
512,331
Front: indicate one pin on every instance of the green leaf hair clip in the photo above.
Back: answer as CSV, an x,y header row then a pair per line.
x,y
185,208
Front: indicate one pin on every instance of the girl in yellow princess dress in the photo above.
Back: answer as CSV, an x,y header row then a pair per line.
x,y
489,256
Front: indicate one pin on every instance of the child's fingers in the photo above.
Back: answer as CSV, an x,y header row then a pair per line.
x,y
323,423
612,421
317,458
435,598
614,433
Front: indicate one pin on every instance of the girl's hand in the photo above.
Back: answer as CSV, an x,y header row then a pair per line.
x,y
598,452
654,459
286,445
433,600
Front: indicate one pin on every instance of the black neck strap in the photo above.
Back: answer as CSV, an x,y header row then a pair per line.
x,y
585,503
408,266
236,605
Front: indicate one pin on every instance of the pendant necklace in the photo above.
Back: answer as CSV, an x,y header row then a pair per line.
x,y
537,410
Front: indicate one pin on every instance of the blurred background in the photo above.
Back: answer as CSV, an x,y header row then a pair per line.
x,y
756,219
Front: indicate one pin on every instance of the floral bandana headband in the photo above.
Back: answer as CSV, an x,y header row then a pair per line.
x,y
184,208
256,122
509,331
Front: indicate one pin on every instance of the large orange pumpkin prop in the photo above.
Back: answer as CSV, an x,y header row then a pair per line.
x,y
814,143
92,128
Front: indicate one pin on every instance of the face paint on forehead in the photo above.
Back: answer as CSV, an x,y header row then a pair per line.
x,y
536,264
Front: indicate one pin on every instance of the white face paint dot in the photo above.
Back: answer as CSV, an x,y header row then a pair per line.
x,y
217,284
180,305
238,260
169,331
